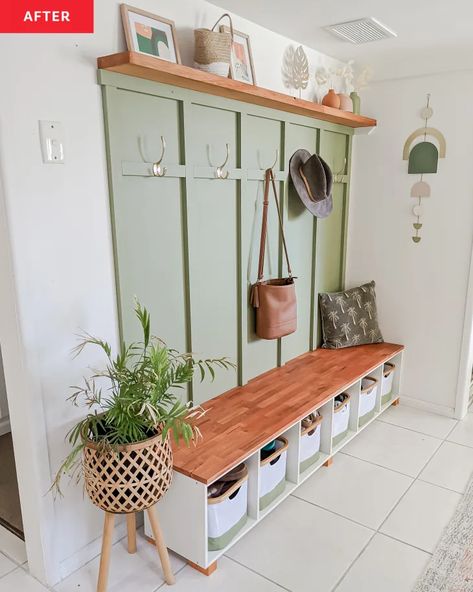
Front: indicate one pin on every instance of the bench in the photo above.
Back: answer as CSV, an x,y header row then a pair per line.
x,y
241,421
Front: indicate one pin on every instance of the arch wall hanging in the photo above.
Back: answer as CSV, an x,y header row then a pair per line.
x,y
422,157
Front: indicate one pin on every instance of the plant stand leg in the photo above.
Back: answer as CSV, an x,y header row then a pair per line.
x,y
328,462
131,531
161,547
106,551
396,402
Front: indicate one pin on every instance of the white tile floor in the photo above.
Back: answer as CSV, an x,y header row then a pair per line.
x,y
369,522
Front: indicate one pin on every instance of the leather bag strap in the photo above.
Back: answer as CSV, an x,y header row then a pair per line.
x,y
269,180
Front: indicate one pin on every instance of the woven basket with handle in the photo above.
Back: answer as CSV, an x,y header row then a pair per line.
x,y
132,478
213,49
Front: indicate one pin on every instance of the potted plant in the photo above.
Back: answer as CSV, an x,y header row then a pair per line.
x,y
122,447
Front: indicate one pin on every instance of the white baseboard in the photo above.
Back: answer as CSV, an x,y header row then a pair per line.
x,y
428,406
4,426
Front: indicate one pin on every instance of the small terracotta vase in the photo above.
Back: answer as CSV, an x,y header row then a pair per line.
x,y
346,104
331,99
355,98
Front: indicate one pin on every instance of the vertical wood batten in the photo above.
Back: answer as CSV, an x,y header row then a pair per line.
x,y
185,183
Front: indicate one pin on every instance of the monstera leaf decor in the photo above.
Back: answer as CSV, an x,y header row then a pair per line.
x,y
300,70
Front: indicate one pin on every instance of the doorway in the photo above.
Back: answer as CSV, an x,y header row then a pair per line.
x,y
10,507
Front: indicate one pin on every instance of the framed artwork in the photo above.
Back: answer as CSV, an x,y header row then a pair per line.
x,y
241,61
150,34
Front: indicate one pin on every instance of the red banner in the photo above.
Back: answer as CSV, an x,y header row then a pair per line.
x,y
47,16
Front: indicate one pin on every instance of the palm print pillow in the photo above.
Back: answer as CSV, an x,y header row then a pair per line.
x,y
350,318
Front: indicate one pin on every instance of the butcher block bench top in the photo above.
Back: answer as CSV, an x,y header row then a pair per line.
x,y
240,421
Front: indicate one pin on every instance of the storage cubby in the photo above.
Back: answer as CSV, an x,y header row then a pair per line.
x,y
390,384
259,425
346,418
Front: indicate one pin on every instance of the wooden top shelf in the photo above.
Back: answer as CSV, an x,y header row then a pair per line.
x,y
151,68
241,421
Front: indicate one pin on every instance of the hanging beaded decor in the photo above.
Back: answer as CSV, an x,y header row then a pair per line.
x,y
422,157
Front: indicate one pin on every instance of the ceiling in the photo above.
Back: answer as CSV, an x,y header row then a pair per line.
x,y
433,35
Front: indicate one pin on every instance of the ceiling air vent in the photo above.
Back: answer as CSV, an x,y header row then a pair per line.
x,y
361,31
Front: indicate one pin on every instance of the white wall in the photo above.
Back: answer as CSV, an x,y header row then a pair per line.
x,y
59,220
4,419
421,288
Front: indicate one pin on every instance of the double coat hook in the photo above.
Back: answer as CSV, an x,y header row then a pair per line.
x,y
337,176
219,172
158,169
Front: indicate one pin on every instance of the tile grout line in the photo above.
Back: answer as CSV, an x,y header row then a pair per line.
x,y
381,466
163,583
395,425
411,485
258,574
333,512
440,486
342,577
378,531
9,571
378,465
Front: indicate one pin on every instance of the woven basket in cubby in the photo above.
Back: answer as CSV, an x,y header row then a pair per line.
x,y
132,478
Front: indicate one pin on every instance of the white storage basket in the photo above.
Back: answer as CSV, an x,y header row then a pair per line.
x,y
341,416
387,382
369,391
227,514
310,444
273,474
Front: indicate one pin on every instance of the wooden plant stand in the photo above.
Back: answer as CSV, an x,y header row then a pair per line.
x,y
131,532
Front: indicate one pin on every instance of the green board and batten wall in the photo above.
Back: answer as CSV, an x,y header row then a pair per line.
x,y
186,244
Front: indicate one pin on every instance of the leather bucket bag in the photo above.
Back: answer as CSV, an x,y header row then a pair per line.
x,y
274,300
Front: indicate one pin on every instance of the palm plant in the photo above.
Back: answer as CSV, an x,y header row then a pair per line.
x,y
363,324
355,340
141,399
340,300
333,316
346,329
352,313
368,306
373,335
357,297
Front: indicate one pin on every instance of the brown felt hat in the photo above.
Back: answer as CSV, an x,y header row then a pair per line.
x,y
312,179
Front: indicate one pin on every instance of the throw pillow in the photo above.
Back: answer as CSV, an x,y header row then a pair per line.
x,y
350,318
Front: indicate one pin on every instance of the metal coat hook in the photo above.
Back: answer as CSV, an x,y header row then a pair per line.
x,y
275,160
220,173
340,173
158,170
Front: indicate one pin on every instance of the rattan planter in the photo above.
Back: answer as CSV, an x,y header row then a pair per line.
x,y
131,479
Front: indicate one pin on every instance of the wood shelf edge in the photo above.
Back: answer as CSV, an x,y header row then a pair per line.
x,y
151,68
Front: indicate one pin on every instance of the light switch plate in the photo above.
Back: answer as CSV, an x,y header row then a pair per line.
x,y
52,142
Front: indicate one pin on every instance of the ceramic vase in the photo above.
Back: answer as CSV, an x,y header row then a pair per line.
x,y
331,99
355,99
346,103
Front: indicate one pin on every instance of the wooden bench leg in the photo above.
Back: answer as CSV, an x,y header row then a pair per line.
x,y
328,462
160,546
396,402
207,571
131,531
106,551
